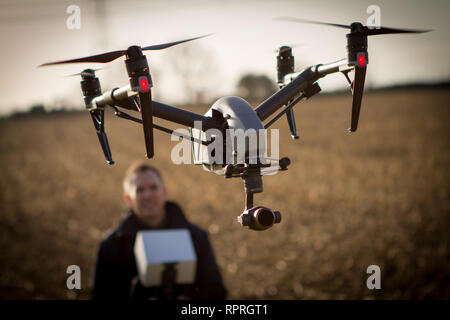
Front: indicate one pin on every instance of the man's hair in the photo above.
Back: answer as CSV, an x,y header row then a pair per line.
x,y
138,167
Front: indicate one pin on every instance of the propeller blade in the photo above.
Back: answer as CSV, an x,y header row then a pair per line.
x,y
384,30
358,89
113,55
170,44
85,73
286,48
98,58
292,19
368,31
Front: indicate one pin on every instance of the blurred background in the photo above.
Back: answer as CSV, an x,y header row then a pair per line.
x,y
379,196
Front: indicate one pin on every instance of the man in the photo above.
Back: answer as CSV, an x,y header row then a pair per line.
x,y
115,271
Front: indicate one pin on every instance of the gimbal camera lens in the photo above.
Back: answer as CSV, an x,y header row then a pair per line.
x,y
259,218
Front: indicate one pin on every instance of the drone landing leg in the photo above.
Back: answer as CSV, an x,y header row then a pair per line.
x,y
147,121
99,124
291,121
358,89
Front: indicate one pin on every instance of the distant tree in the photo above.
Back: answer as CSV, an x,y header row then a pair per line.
x,y
254,87
37,108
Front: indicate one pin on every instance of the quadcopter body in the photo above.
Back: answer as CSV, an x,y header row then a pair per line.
x,y
230,139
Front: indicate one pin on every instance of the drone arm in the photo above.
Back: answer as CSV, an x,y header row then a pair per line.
x,y
322,70
128,104
173,114
286,94
296,83
124,115
110,97
333,67
124,98
184,117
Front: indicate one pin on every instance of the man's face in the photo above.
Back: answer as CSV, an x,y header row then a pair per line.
x,y
146,195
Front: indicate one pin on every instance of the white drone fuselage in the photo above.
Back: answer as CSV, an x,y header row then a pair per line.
x,y
245,139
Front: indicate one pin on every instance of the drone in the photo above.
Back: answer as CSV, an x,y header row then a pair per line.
x,y
227,113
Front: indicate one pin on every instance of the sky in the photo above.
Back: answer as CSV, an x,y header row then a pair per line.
x,y
245,38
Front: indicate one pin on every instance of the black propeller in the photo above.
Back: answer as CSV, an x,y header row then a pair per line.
x,y
86,73
112,55
287,48
355,27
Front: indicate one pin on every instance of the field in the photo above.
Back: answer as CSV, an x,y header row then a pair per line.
x,y
380,196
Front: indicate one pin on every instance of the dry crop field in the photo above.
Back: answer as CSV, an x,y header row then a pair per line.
x,y
379,196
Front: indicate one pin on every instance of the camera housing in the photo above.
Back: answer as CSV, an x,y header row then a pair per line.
x,y
259,218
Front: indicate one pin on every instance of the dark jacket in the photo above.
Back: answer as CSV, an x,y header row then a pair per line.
x,y
115,275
